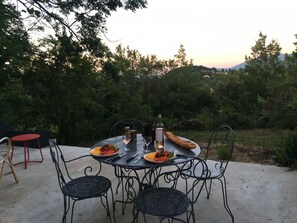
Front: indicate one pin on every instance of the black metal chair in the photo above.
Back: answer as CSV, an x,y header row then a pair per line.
x,y
82,187
218,154
117,129
162,193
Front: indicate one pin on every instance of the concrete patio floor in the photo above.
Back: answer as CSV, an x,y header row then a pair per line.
x,y
256,193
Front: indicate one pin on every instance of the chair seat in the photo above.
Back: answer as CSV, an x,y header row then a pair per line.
x,y
86,187
213,170
166,202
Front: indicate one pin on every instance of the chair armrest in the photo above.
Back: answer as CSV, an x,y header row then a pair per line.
x,y
88,170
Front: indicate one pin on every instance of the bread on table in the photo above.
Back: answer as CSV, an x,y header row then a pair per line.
x,y
178,141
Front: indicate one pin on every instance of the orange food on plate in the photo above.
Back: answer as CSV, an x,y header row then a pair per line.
x,y
107,149
96,151
163,155
162,158
108,152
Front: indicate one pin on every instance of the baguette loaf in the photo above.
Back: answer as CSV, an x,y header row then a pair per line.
x,y
178,141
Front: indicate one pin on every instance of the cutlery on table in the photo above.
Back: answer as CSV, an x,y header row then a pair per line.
x,y
136,161
113,158
131,157
180,155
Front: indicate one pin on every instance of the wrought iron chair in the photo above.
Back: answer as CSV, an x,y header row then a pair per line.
x,y
160,195
117,129
5,158
218,153
82,187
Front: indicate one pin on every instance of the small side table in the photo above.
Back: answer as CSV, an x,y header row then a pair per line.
x,y
26,138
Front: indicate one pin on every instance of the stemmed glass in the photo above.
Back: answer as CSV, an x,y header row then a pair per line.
x,y
126,139
147,140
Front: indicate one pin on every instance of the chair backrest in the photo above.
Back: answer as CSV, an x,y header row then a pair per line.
x,y
221,145
8,151
118,127
170,173
193,172
60,163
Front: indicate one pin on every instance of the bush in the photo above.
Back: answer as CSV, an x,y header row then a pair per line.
x,y
286,152
223,152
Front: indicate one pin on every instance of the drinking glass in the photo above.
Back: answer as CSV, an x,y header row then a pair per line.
x,y
147,140
126,139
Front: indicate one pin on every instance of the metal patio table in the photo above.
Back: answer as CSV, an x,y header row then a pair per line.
x,y
130,172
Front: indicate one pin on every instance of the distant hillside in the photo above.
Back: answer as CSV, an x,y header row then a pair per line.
x,y
193,68
238,66
242,65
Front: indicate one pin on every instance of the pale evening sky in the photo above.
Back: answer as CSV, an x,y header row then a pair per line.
x,y
214,33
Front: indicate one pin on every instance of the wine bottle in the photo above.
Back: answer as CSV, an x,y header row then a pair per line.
x,y
159,129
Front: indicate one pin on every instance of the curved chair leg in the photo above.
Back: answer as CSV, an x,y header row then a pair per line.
x,y
225,198
72,209
112,201
1,173
208,189
13,172
106,206
135,215
192,213
6,159
66,208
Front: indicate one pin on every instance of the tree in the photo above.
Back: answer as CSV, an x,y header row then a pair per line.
x,y
83,20
15,52
180,58
287,103
232,101
15,49
264,71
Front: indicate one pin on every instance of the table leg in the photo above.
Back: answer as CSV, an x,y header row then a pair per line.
x,y
129,179
26,153
40,150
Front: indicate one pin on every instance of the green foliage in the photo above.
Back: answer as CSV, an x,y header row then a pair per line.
x,y
223,152
286,152
180,94
265,75
15,49
83,20
64,88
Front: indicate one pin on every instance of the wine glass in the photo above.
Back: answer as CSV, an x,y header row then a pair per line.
x,y
126,139
147,140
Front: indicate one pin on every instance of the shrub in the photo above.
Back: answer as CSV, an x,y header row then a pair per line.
x,y
286,152
223,152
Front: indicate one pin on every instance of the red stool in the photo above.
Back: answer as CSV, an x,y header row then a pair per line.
x,y
26,138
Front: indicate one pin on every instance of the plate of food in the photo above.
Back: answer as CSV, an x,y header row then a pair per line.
x,y
158,157
105,150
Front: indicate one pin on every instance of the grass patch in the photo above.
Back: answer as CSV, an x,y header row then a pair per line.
x,y
286,152
252,146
